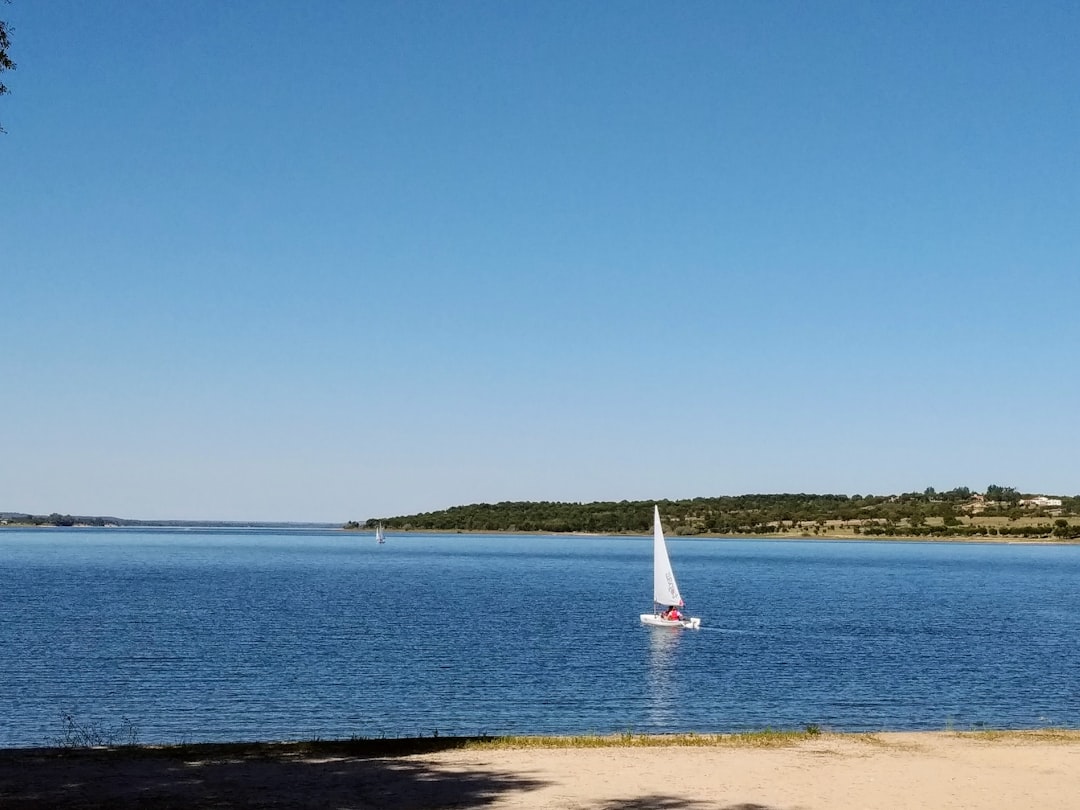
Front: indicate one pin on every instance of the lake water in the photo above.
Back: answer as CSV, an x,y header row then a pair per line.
x,y
260,635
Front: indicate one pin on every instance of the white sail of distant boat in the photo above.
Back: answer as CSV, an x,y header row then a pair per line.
x,y
379,535
667,601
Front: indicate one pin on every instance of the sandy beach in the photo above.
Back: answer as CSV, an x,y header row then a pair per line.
x,y
891,771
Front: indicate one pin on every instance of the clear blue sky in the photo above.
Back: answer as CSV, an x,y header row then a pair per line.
x,y
335,260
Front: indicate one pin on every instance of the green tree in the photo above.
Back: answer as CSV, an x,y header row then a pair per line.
x,y
1002,494
957,494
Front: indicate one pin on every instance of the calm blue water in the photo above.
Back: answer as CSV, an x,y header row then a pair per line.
x,y
267,635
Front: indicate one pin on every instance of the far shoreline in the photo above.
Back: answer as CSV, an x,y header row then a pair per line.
x,y
833,537
776,536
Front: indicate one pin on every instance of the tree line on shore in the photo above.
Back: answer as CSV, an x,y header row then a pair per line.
x,y
99,521
926,513
959,512
55,519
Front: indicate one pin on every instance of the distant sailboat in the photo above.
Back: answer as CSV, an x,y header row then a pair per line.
x,y
666,596
379,535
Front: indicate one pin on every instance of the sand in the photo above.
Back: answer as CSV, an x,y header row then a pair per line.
x,y
892,771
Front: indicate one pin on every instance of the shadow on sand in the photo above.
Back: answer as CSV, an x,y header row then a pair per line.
x,y
350,774
657,802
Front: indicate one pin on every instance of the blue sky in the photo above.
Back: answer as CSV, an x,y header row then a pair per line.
x,y
336,260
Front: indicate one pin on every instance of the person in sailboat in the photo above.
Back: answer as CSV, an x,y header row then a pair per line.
x,y
672,614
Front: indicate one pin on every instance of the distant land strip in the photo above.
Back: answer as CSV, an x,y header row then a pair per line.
x,y
56,519
998,512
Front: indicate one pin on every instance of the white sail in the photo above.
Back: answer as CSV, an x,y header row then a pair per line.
x,y
665,591
379,535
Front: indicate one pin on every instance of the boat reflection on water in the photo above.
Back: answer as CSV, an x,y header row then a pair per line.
x,y
661,682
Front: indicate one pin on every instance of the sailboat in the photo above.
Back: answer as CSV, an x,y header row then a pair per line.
x,y
665,591
379,535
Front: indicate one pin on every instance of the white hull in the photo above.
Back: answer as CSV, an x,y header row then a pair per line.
x,y
657,621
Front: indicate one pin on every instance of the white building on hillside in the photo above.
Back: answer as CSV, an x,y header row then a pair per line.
x,y
1040,502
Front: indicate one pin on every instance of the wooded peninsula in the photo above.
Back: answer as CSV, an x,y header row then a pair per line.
x,y
960,512
999,512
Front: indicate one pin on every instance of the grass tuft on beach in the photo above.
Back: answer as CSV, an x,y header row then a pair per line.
x,y
768,738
